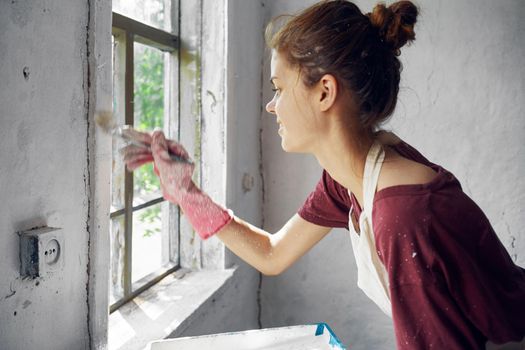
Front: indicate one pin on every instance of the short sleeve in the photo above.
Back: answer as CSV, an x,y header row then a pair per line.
x,y
328,204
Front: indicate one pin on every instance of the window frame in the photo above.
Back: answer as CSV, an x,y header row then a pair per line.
x,y
203,93
127,31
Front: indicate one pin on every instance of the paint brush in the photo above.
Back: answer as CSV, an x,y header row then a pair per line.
x,y
106,122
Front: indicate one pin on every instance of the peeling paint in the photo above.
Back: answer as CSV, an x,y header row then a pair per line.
x,y
247,182
214,100
191,69
13,292
26,73
26,304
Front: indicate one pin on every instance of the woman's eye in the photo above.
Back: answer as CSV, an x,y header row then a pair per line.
x,y
276,90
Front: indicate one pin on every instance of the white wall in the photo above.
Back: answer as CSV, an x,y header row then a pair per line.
x,y
462,106
47,151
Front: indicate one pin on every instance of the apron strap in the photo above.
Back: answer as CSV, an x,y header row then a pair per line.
x,y
374,161
372,276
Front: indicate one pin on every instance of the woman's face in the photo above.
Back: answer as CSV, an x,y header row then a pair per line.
x,y
293,106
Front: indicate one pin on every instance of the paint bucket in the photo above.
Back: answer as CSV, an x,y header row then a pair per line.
x,y
303,337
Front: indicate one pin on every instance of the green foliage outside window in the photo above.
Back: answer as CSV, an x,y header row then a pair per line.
x,y
149,114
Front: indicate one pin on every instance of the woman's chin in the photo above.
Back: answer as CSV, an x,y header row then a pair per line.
x,y
291,148
285,146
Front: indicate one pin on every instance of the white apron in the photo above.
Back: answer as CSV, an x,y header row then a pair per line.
x,y
372,276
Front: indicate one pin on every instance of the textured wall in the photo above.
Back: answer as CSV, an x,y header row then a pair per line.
x,y
44,177
461,104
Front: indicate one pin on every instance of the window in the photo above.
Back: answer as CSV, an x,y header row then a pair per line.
x,y
144,234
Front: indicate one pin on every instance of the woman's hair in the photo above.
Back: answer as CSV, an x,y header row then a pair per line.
x,y
359,50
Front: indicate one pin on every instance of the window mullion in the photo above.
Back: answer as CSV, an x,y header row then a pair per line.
x,y
128,177
137,207
171,103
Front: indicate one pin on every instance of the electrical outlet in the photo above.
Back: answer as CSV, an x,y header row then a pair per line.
x,y
41,251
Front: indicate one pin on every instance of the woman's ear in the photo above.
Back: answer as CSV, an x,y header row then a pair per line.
x,y
328,92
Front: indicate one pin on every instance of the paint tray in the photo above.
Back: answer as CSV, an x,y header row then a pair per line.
x,y
304,337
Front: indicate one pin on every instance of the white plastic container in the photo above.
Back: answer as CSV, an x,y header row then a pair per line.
x,y
304,337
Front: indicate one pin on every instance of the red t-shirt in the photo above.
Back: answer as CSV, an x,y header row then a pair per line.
x,y
452,283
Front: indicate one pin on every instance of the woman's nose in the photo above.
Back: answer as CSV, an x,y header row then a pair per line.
x,y
270,106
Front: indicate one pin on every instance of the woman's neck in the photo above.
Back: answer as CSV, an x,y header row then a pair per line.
x,y
342,153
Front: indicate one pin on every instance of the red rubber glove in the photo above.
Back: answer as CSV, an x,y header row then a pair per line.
x,y
206,216
135,156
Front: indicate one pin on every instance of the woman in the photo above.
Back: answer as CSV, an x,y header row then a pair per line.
x,y
426,253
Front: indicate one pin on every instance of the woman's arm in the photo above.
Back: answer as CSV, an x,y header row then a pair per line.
x,y
271,254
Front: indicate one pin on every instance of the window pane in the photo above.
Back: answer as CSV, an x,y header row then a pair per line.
x,y
117,245
148,110
150,12
148,241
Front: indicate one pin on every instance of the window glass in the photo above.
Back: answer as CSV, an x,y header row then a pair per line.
x,y
150,12
147,242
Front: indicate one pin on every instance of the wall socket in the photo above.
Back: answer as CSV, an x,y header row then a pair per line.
x,y
41,251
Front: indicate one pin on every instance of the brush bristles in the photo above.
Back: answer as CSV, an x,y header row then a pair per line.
x,y
104,119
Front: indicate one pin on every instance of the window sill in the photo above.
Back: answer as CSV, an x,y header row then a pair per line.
x,y
165,309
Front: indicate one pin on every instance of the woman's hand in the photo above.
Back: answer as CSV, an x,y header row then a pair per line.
x,y
175,177
206,216
135,156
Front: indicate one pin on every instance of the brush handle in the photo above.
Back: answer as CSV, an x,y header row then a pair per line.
x,y
178,159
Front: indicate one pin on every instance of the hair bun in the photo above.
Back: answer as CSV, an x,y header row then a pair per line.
x,y
395,23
